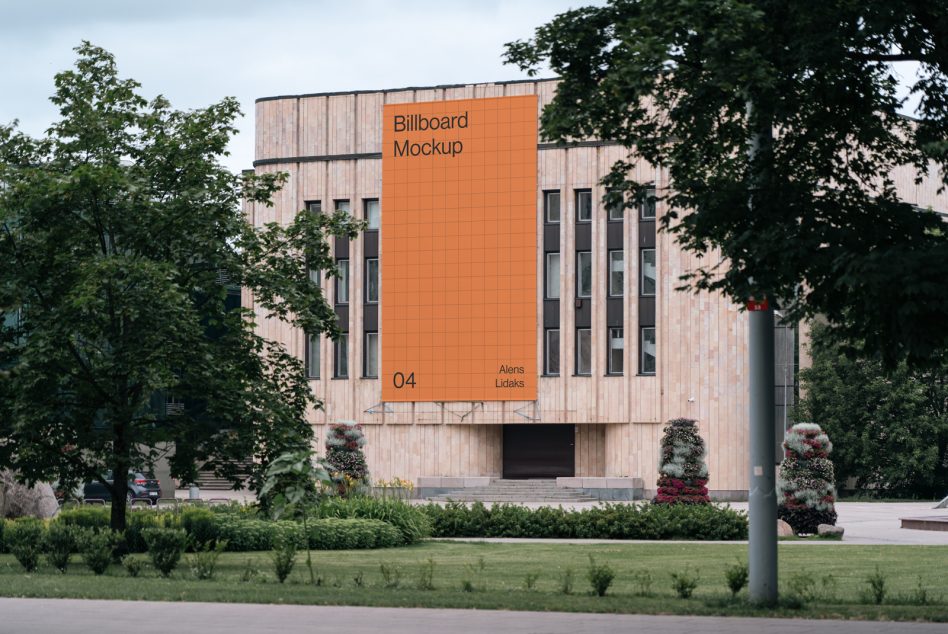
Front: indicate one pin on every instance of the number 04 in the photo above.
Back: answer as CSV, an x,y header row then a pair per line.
x,y
399,380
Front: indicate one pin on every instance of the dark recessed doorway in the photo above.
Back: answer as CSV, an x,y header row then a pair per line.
x,y
539,451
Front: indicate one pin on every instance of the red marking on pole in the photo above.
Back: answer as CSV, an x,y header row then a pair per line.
x,y
757,304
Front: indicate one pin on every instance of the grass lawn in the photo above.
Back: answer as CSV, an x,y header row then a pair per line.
x,y
354,578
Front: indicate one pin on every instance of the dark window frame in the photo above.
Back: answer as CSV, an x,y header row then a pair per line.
x,y
610,369
307,354
642,252
609,273
365,281
546,351
365,214
642,370
546,207
592,212
546,275
648,207
336,357
579,279
337,285
365,354
576,359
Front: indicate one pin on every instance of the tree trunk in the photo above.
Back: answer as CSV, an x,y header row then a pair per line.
x,y
119,478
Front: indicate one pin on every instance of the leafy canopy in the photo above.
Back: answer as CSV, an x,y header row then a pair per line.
x,y
122,245
672,81
889,427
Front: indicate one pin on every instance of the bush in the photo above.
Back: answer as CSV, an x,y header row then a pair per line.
x,y
426,575
204,560
411,521
805,489
284,556
200,524
566,581
683,475
96,517
165,546
333,533
59,543
133,565
610,521
684,583
139,521
24,540
877,590
736,577
244,535
96,549
391,575
600,577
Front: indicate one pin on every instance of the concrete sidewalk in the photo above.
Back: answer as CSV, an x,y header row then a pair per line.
x,y
64,616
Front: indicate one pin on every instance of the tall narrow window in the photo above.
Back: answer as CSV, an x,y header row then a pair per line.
x,y
342,205
616,350
312,357
341,357
647,273
370,361
616,272
551,206
551,356
371,280
647,207
648,351
342,282
316,207
583,351
584,205
616,211
552,275
584,273
373,216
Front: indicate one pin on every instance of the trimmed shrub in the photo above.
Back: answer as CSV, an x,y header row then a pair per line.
x,y
411,521
333,533
244,535
24,540
200,524
609,521
96,548
59,543
683,475
165,546
203,561
344,456
805,490
140,521
96,517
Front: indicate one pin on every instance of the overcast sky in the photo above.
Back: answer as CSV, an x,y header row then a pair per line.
x,y
197,51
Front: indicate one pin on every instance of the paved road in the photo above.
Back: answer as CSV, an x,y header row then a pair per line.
x,y
64,616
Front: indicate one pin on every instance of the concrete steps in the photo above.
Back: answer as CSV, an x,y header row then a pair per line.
x,y
515,491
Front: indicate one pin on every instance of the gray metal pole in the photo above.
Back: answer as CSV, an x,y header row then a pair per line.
x,y
762,551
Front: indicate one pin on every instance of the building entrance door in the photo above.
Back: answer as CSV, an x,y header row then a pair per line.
x,y
539,451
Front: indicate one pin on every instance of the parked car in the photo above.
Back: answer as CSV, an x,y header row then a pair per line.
x,y
141,486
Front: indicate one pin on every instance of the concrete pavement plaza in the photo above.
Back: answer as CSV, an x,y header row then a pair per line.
x,y
66,616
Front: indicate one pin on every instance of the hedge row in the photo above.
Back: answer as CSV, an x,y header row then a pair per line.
x,y
241,531
611,521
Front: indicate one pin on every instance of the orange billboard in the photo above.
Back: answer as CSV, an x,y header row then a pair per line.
x,y
459,259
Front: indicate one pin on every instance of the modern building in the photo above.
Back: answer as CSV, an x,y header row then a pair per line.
x,y
500,320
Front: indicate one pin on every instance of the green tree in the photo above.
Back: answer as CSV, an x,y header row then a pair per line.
x,y
889,427
689,84
120,234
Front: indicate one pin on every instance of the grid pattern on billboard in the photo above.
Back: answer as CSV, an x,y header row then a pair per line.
x,y
459,307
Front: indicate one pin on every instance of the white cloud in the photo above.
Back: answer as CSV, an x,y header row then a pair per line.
x,y
196,52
